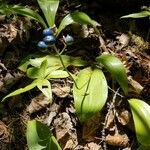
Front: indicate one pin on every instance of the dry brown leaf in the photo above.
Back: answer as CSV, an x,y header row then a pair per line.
x,y
93,146
4,136
60,91
65,133
110,121
90,128
124,117
117,140
37,103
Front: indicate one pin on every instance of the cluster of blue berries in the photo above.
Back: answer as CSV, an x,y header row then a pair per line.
x,y
49,39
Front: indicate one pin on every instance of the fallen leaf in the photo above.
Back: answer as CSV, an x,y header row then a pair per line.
x,y
117,140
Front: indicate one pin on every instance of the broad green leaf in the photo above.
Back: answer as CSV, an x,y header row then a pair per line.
x,y
54,60
45,87
116,68
22,90
144,147
38,72
49,8
141,116
58,74
39,137
75,17
141,14
22,10
91,94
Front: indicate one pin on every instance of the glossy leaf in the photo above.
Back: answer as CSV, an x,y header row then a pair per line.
x,y
116,68
49,8
39,137
22,90
141,14
22,10
141,116
45,87
75,17
58,74
91,94
38,72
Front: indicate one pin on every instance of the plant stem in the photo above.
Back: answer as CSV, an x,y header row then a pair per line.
x,y
59,55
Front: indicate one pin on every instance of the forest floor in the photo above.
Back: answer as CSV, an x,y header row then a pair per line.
x,y
112,128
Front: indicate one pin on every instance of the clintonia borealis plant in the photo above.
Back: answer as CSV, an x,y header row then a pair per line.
x,y
90,89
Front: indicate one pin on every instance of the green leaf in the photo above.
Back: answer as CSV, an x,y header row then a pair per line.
x,y
54,60
49,8
91,94
144,147
22,90
26,61
45,87
39,137
116,68
57,74
141,116
22,10
75,17
38,72
141,14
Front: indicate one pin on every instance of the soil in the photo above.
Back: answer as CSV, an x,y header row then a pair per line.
x,y
110,129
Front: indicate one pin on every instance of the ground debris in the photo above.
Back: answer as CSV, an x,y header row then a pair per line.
x,y
117,140
4,136
37,103
65,132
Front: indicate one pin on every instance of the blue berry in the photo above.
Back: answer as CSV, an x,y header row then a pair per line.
x,y
42,45
47,32
50,39
69,39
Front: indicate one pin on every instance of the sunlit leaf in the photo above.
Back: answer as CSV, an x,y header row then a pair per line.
x,y
91,94
22,90
54,60
138,15
45,87
49,8
22,10
116,68
75,17
39,137
58,74
38,72
141,116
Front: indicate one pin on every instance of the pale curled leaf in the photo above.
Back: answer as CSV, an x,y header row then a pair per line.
x,y
116,68
75,17
39,137
91,94
38,72
45,87
141,116
141,14
49,8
